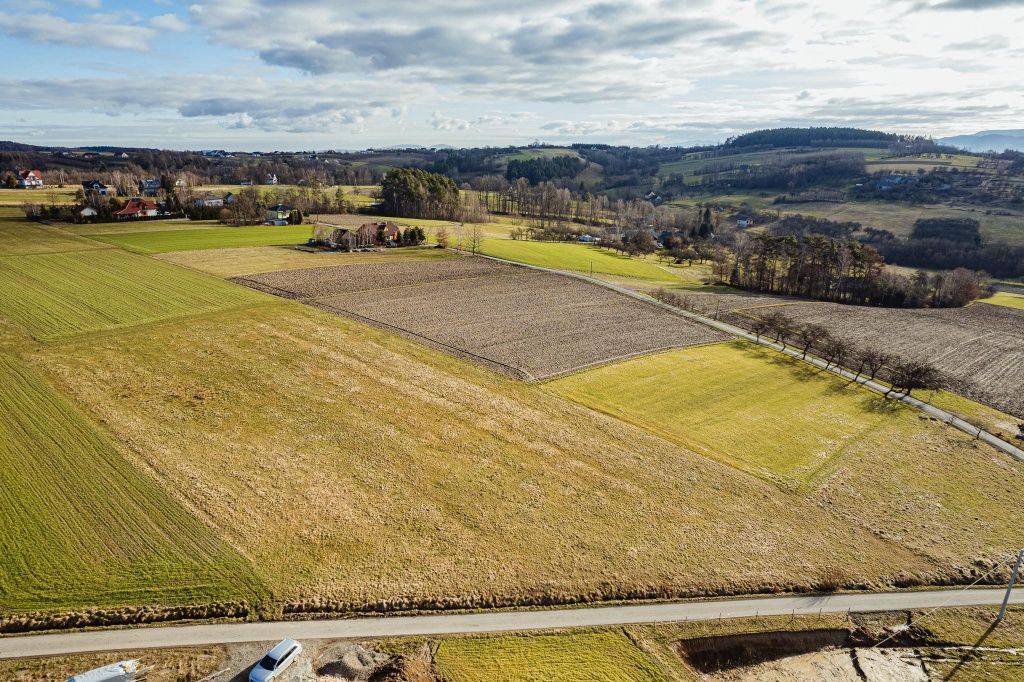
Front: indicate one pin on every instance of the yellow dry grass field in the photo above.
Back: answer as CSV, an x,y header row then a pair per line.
x,y
80,526
740,404
906,477
602,656
352,467
251,260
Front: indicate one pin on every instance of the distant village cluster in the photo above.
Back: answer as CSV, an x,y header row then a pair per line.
x,y
145,204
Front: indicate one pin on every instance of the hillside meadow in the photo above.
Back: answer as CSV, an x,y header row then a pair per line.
x,y
485,490
809,431
80,526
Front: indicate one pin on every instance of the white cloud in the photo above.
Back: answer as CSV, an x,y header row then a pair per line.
x,y
50,28
624,71
168,22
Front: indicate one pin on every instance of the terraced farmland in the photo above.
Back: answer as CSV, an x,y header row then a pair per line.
x,y
581,657
54,296
80,526
512,319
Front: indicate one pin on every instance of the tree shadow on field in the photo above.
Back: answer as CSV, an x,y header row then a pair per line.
x,y
879,404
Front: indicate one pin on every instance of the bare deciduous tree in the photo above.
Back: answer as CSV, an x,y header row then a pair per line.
x,y
811,335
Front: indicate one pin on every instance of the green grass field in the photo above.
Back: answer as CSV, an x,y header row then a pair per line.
x,y
577,257
79,525
606,656
20,237
55,296
215,238
1006,299
134,226
46,195
736,403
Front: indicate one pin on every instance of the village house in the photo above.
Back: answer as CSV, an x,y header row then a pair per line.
x,y
370,234
95,187
137,208
271,179
30,179
365,236
230,198
149,188
744,222
88,213
208,201
279,214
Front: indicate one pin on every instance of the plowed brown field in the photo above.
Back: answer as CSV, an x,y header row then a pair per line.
x,y
523,322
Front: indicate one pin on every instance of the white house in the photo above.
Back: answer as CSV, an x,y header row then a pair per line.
x,y
88,212
95,186
208,201
30,179
271,179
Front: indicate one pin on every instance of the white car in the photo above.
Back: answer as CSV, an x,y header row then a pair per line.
x,y
276,661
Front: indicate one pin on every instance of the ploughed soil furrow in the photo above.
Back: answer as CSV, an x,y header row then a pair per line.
x,y
541,325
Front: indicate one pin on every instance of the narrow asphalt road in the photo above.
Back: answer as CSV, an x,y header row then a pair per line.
x,y
365,628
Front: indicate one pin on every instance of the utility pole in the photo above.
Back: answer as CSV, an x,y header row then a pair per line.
x,y
1009,588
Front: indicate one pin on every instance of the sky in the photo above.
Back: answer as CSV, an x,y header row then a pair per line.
x,y
268,75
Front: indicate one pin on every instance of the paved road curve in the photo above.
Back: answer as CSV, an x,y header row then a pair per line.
x,y
223,633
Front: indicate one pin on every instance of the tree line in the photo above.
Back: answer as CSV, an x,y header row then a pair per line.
x,y
904,375
839,270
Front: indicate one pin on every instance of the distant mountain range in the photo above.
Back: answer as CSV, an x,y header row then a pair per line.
x,y
987,140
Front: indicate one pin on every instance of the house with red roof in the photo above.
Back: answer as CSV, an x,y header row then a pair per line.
x,y
137,208
30,179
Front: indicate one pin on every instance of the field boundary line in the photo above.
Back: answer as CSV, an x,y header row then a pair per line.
x,y
947,417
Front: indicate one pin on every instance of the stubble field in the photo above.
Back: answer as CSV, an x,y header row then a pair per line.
x,y
524,322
